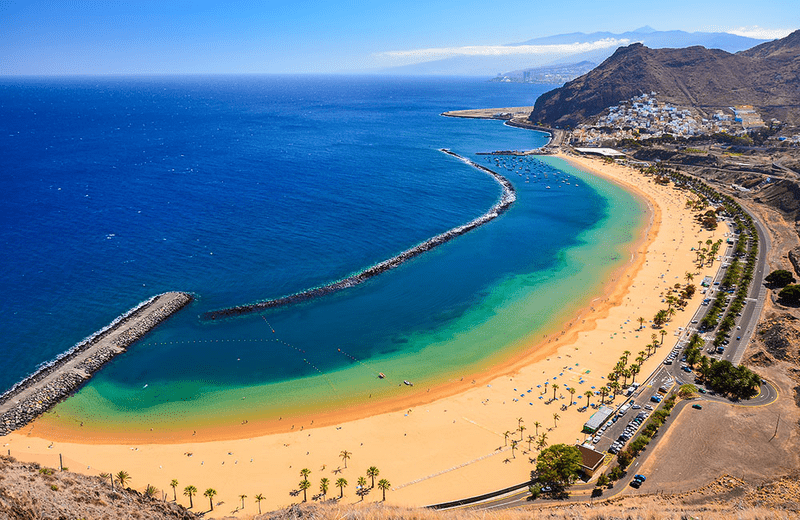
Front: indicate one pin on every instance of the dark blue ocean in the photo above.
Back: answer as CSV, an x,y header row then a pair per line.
x,y
242,188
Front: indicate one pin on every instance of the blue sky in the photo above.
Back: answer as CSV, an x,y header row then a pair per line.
x,y
322,36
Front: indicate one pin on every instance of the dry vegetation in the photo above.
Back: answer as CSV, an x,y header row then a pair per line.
x,y
32,492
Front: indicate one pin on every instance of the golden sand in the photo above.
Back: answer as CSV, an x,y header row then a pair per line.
x,y
443,445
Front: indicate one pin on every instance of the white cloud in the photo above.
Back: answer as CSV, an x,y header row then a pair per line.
x,y
422,55
755,31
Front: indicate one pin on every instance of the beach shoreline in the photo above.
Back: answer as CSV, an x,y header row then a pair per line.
x,y
422,427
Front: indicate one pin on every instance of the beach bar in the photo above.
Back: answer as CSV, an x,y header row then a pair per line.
x,y
597,419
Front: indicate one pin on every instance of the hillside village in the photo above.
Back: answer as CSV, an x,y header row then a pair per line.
x,y
644,116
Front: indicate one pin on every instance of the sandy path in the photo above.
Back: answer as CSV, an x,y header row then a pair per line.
x,y
453,446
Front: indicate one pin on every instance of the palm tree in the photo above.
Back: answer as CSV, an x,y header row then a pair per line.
x,y
242,497
521,429
663,333
210,492
189,491
542,442
555,387
689,277
304,485
505,436
634,370
641,323
531,438
110,477
341,484
536,424
122,477
174,485
150,491
373,472
614,386
513,448
259,497
603,393
384,485
323,487
305,472
556,417
519,422
344,456
571,395
588,395
362,483
625,355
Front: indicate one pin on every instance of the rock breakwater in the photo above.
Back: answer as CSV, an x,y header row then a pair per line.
x,y
61,377
507,198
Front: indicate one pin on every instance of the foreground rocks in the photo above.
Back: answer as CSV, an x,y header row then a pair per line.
x,y
29,491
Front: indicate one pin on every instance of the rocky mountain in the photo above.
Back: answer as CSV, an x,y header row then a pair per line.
x,y
766,76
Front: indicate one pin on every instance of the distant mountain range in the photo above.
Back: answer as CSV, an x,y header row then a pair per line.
x,y
766,76
562,49
550,75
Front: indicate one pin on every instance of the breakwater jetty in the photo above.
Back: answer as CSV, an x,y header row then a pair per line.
x,y
507,198
58,379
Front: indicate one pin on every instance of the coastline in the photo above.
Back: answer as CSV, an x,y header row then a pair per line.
x,y
423,427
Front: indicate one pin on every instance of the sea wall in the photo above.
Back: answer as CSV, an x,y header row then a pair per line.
x,y
59,378
507,198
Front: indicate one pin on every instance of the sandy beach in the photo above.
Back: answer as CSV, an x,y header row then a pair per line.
x,y
440,445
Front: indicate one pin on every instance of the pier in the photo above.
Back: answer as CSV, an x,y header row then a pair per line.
x,y
61,377
506,199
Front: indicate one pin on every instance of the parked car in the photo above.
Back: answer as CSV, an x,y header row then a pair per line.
x,y
697,407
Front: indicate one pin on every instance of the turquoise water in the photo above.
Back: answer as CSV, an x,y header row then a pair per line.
x,y
246,188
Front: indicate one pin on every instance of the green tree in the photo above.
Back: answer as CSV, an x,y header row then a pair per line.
x,y
150,491
209,493
123,478
555,387
384,485
588,395
660,318
341,483
373,472
557,466
641,323
790,294
537,424
305,472
602,480
242,497
506,435
780,278
687,390
344,456
190,491
513,449
258,498
110,477
323,487
174,484
571,391
556,417
304,486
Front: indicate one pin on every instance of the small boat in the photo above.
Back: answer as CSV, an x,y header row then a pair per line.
x,y
407,383
381,375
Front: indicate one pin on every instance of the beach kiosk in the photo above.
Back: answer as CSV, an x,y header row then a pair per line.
x,y
597,419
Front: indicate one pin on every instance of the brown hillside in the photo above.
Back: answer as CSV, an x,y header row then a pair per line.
x,y
766,76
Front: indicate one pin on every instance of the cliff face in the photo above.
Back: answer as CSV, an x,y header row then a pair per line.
x,y
766,76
